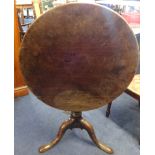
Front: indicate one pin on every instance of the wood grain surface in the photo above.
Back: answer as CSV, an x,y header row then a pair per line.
x,y
78,56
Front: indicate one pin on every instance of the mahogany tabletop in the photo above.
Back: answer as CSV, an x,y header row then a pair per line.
x,y
78,56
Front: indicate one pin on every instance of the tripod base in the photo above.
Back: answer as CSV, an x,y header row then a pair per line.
x,y
76,121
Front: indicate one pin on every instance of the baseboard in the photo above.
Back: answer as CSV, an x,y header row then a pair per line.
x,y
21,91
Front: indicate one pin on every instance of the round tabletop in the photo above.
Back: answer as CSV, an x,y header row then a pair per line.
x,y
78,56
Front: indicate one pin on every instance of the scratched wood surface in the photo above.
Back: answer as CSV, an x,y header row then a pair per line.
x,y
78,57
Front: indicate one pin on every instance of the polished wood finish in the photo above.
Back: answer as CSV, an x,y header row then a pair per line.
x,y
20,91
76,121
19,84
78,56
